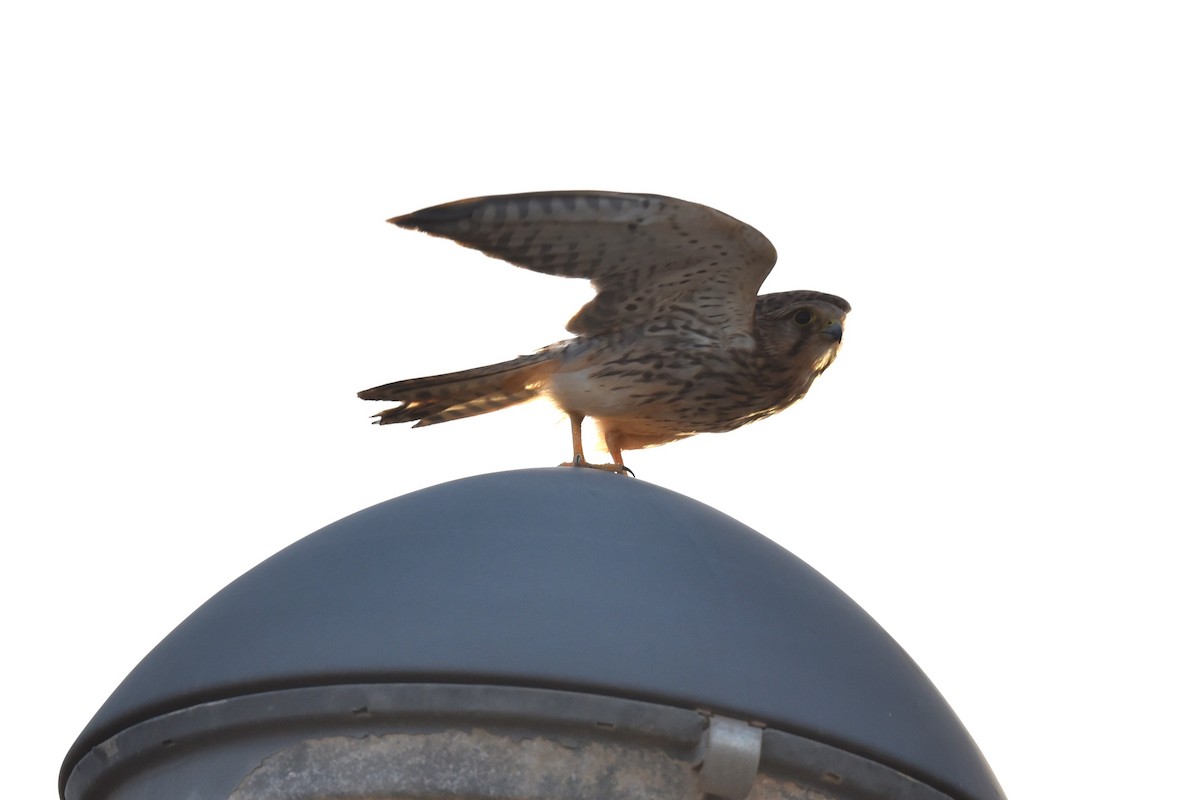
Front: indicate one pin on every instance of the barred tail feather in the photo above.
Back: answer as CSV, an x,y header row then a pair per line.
x,y
441,398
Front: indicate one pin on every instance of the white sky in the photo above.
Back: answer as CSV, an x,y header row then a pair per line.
x,y
1000,468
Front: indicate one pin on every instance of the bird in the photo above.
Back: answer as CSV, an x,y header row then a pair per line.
x,y
676,341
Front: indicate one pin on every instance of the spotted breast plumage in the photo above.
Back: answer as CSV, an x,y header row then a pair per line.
x,y
676,341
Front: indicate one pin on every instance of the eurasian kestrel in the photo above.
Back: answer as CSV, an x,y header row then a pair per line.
x,y
676,341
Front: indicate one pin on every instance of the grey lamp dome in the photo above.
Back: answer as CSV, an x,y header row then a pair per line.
x,y
571,590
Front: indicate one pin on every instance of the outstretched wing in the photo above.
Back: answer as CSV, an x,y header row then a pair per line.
x,y
651,259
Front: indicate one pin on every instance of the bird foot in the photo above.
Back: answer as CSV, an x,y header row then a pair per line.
x,y
579,462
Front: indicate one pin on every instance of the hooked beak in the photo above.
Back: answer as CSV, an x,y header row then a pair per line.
x,y
833,330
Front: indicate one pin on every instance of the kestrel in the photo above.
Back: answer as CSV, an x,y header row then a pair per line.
x,y
676,341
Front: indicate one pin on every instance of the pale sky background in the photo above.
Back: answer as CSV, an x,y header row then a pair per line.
x,y
1001,467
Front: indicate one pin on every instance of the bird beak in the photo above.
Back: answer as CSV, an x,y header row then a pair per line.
x,y
833,330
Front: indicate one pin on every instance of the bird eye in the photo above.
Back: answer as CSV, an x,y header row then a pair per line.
x,y
802,318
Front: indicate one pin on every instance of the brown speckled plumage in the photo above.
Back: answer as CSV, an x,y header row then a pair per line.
x,y
675,342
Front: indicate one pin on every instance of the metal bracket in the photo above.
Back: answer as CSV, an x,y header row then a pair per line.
x,y
729,757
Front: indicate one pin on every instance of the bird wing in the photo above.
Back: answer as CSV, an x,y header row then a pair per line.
x,y
653,260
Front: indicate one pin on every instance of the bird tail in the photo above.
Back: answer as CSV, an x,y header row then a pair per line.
x,y
441,398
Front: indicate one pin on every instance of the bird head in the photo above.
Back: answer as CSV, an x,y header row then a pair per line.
x,y
801,329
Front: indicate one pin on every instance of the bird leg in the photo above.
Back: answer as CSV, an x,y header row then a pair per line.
x,y
577,459
612,441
